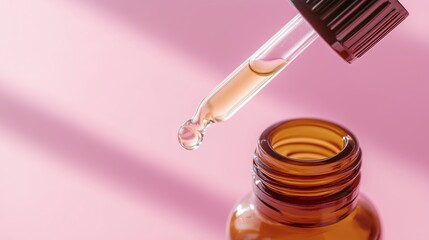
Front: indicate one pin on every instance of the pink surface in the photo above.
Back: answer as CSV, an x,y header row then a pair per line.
x,y
92,93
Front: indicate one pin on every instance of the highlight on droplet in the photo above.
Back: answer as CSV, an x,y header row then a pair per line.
x,y
190,135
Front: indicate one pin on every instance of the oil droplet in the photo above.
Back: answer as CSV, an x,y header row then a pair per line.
x,y
190,136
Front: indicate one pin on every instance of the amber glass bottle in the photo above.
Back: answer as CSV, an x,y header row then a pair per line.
x,y
306,175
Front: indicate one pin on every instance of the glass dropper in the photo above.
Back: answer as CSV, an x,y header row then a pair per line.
x,y
351,28
247,80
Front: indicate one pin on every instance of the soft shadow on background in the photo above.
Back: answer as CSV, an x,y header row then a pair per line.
x,y
222,33
90,153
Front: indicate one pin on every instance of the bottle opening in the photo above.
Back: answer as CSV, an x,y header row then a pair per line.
x,y
310,142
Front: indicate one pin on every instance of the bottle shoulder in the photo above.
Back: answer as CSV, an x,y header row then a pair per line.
x,y
246,222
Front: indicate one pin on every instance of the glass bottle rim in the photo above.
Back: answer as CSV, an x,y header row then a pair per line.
x,y
349,141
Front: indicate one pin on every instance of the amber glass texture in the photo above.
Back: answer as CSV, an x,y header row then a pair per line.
x,y
306,175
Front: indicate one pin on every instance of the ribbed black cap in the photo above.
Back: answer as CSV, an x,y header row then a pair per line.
x,y
352,27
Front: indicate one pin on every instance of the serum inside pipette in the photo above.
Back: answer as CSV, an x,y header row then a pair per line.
x,y
227,98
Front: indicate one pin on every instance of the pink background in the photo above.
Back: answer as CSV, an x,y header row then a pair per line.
x,y
92,93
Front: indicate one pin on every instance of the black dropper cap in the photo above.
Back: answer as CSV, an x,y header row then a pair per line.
x,y
352,27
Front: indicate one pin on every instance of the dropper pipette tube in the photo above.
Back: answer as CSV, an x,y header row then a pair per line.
x,y
351,28
247,80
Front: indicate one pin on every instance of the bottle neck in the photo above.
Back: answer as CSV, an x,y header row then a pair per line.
x,y
306,173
